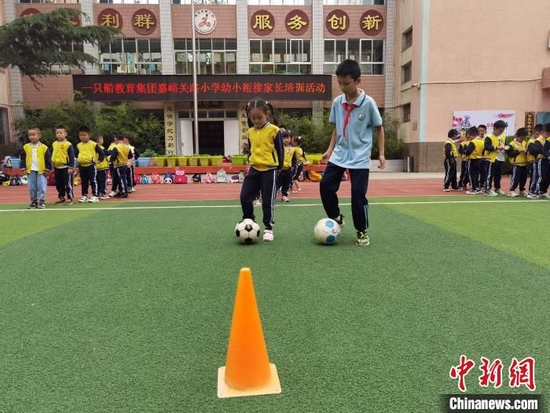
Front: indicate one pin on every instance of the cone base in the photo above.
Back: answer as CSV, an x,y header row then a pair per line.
x,y
273,387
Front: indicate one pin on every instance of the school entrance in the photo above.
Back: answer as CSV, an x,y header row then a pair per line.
x,y
211,137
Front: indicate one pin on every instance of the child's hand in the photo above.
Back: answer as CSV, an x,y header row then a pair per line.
x,y
382,164
325,157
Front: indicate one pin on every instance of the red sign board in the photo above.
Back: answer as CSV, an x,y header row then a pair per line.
x,y
176,88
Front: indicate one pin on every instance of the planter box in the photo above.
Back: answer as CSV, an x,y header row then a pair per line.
x,y
238,160
160,161
143,161
204,161
182,161
216,160
193,161
171,161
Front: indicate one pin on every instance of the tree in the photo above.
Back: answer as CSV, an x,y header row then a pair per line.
x,y
34,43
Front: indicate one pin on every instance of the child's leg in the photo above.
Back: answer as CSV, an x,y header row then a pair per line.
x,y
535,176
33,190
359,203
522,177
329,187
268,181
102,182
85,180
286,180
514,179
249,191
59,174
68,184
42,185
123,179
93,180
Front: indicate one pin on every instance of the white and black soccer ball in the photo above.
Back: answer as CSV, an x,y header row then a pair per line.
x,y
247,231
327,231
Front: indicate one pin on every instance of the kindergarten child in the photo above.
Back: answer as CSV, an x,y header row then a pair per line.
x,y
102,167
266,157
36,162
299,161
285,177
88,154
63,163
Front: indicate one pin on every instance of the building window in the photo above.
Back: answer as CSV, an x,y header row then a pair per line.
x,y
369,53
205,2
352,2
215,56
131,56
279,2
407,39
127,1
280,56
406,109
406,73
66,69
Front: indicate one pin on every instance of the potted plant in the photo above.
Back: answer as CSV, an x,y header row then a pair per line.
x,y
238,159
204,160
193,160
171,160
216,160
182,160
145,158
160,160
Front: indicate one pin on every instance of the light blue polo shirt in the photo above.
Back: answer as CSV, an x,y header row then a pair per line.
x,y
354,150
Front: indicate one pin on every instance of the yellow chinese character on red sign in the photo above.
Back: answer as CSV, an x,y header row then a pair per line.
x,y
296,23
371,22
110,20
338,23
143,21
262,22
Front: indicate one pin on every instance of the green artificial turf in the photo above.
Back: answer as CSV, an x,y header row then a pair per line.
x,y
129,310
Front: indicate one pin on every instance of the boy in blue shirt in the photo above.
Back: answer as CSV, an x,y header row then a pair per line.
x,y
354,114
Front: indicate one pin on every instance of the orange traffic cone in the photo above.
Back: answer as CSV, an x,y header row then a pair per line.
x,y
247,371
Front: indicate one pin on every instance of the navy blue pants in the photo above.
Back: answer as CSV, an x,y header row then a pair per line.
x,y
265,183
285,181
359,185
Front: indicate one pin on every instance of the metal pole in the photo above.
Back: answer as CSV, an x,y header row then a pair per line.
x,y
195,97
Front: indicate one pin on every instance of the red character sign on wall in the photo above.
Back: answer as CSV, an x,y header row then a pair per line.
x,y
262,22
337,22
110,18
144,22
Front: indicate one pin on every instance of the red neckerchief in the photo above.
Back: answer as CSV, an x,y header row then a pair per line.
x,y
348,108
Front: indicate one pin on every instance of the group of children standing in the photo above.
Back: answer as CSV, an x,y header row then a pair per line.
x,y
89,158
483,157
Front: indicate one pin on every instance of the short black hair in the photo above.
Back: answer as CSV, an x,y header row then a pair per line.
x,y
482,126
473,131
452,133
538,127
349,68
61,127
84,129
500,124
522,132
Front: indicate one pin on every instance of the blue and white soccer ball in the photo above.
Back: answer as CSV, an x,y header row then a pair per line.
x,y
247,231
327,231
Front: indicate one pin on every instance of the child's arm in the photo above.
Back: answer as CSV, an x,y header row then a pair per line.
x,y
72,158
23,157
100,153
534,148
469,149
48,160
381,147
331,145
279,147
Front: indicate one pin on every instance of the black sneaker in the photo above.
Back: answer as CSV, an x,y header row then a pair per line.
x,y
340,221
41,205
60,201
362,239
33,205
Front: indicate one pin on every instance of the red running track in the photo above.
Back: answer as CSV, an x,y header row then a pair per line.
x,y
380,185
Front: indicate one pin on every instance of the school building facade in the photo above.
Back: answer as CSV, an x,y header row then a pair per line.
x,y
425,62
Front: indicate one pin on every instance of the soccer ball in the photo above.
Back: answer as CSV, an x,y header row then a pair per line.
x,y
247,231
326,231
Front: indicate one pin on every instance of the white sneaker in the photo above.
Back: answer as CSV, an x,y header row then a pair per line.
x,y
545,195
490,192
133,189
513,194
104,197
532,196
499,192
523,193
257,203
285,199
83,199
93,199
112,194
268,235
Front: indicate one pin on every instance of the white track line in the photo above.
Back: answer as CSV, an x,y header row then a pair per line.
x,y
137,208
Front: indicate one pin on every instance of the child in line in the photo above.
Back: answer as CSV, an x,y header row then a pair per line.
x,y
517,154
36,162
132,166
474,152
464,178
63,163
266,157
121,156
299,161
88,153
285,177
450,154
102,167
354,114
115,185
531,159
